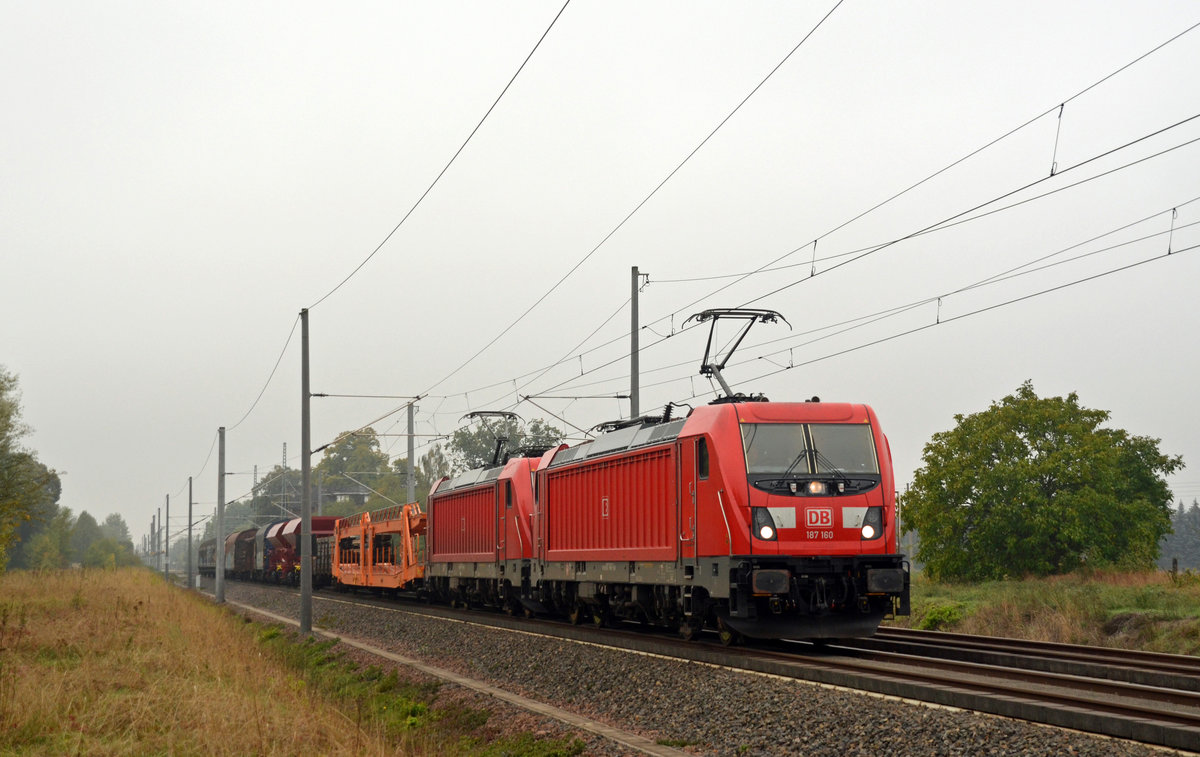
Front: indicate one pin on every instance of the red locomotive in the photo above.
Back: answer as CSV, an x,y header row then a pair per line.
x,y
753,518
756,518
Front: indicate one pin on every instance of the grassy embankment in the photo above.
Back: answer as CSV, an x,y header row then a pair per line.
x,y
1153,611
117,662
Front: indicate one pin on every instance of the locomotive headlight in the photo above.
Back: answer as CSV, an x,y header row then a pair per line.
x,y
872,525
763,525
816,487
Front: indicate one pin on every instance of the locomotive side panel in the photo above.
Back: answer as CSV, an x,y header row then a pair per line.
x,y
620,508
462,526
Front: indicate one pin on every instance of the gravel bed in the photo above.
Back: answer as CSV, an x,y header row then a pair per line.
x,y
710,710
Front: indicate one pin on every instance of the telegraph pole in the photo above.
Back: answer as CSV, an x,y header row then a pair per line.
x,y
306,552
283,481
634,388
190,583
412,480
219,589
167,542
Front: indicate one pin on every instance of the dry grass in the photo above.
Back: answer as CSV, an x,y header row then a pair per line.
x,y
119,663
1150,610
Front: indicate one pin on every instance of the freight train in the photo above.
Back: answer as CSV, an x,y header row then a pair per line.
x,y
748,517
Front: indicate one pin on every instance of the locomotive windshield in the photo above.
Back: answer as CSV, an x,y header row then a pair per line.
x,y
782,450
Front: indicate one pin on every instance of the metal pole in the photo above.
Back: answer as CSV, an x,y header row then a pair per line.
x,y
158,540
167,542
153,545
412,479
219,588
634,393
283,479
190,582
306,554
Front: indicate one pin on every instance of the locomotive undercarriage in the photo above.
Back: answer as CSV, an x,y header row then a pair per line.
x,y
816,597
754,596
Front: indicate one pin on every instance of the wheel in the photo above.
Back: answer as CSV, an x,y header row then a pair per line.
x,y
728,636
577,615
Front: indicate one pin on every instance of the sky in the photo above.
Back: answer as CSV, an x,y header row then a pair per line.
x,y
179,180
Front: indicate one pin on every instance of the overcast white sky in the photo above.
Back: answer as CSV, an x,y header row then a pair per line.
x,y
178,180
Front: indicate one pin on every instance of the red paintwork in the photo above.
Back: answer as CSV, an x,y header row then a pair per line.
x,y
650,503
284,560
476,524
621,507
846,541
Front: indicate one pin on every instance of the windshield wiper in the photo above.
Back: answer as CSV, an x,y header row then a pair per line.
x,y
834,471
803,454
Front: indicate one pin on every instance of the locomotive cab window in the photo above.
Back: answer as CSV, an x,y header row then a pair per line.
x,y
702,459
508,495
779,454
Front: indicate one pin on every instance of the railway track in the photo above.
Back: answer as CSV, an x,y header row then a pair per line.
x,y
1140,696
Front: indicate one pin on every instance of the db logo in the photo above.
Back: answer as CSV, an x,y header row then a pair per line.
x,y
818,517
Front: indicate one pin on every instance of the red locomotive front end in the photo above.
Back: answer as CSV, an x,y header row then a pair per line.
x,y
755,518
820,556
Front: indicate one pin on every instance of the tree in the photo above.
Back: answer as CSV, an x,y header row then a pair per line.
x,y
50,548
42,491
28,489
431,467
1035,486
114,528
1183,543
85,533
349,463
109,553
475,449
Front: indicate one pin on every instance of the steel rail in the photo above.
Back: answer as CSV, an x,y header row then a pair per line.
x,y
1095,702
1129,665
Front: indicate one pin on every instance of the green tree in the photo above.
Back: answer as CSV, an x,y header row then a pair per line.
x,y
348,467
470,449
1035,486
85,532
43,489
50,548
1182,545
114,528
28,489
108,553
431,466
276,496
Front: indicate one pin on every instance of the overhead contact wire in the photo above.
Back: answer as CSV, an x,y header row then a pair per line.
x,y
939,172
639,206
449,163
